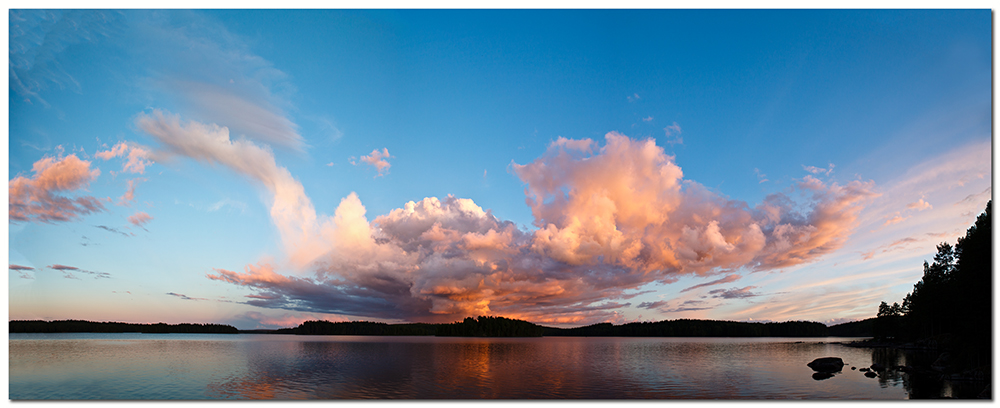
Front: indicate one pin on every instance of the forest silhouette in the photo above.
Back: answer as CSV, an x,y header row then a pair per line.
x,y
950,308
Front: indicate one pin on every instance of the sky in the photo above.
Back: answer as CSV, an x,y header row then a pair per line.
x,y
566,167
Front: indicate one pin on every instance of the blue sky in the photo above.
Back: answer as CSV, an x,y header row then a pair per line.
x,y
635,165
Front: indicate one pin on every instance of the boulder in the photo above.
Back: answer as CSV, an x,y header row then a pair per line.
x,y
821,376
827,364
871,374
877,367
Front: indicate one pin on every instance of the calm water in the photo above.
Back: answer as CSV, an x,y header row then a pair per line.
x,y
200,366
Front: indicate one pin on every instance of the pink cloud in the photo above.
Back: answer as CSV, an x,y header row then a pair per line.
x,y
140,219
129,196
378,159
920,205
38,199
136,157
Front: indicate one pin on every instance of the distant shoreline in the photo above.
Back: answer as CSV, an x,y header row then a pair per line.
x,y
472,327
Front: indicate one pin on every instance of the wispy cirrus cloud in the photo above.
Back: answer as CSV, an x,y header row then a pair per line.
x,y
727,279
212,75
68,271
112,229
40,197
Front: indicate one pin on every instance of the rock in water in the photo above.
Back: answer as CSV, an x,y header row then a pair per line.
x,y
871,374
821,376
827,364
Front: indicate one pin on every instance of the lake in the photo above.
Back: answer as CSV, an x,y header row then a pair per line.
x,y
263,366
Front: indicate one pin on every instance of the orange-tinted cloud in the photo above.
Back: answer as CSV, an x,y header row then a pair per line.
x,y
39,198
609,219
136,157
378,160
129,196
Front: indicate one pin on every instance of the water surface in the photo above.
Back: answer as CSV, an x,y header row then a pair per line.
x,y
261,366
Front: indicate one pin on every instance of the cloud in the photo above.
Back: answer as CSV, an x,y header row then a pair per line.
x,y
66,270
140,219
634,97
609,220
653,305
211,75
129,196
919,205
819,170
976,198
112,229
38,37
136,157
378,160
727,279
38,198
673,133
648,119
734,293
15,267
291,210
760,176
895,220
184,297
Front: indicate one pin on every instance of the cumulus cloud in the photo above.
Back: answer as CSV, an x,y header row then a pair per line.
x,y
378,160
608,220
140,219
136,157
39,198
15,267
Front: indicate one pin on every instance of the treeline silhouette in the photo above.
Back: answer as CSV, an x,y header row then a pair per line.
x,y
489,326
951,306
82,326
482,326
492,326
360,328
861,328
696,328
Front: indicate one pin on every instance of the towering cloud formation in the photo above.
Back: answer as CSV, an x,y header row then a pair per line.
x,y
38,198
608,221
